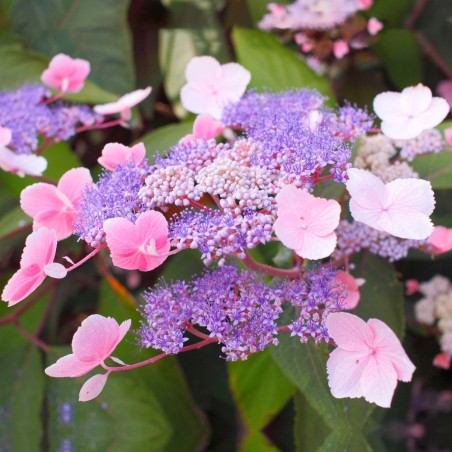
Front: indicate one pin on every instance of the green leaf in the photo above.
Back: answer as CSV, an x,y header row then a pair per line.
x,y
437,168
259,398
60,158
97,31
126,416
401,56
272,65
381,294
256,442
161,139
15,219
389,11
163,379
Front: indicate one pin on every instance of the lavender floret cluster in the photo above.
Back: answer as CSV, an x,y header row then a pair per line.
x,y
25,112
239,309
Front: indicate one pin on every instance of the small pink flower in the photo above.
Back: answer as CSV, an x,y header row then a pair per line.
x,y
340,49
401,207
93,342
141,246
210,85
405,115
411,286
66,74
365,4
20,164
124,104
374,26
35,264
368,360
56,207
204,128
305,223
442,360
114,154
448,135
352,286
440,240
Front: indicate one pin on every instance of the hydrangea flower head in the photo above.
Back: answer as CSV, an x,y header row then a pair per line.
x,y
368,360
305,223
35,264
401,207
210,85
66,74
56,207
405,115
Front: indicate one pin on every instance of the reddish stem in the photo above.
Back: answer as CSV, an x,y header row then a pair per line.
x,y
34,340
86,258
104,125
433,54
292,273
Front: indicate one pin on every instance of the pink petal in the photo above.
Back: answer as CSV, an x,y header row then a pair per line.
x,y
92,387
70,366
290,200
132,246
22,164
5,136
349,332
124,103
288,229
199,99
374,26
22,284
448,135
203,69
235,79
378,381
73,182
97,337
114,154
340,49
205,127
352,299
388,345
345,370
441,239
55,270
317,247
40,248
442,361
322,215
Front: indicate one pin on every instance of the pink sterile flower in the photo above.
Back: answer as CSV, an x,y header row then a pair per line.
x,y
401,207
56,207
352,285
114,154
141,246
210,85
124,104
305,223
405,115
440,240
374,26
448,135
368,360
442,360
93,342
340,49
204,128
411,286
19,164
66,74
35,264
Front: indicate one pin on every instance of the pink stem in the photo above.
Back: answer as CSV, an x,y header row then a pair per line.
x,y
292,273
104,125
86,258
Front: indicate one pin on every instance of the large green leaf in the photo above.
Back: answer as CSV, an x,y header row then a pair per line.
x,y
272,65
437,168
126,416
259,388
96,31
15,219
401,56
163,379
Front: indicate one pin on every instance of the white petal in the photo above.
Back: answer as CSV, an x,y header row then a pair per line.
x,y
92,387
55,270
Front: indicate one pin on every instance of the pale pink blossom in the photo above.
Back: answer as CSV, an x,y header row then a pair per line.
x,y
448,135
124,104
20,164
204,128
114,154
305,223
440,239
56,207
401,207
66,74
364,4
340,48
368,360
141,246
352,286
442,361
210,85
35,264
411,286
93,342
374,26
405,115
